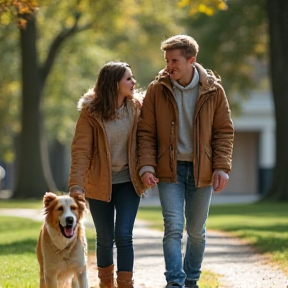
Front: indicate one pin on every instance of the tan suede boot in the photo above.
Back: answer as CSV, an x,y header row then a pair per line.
x,y
106,276
124,279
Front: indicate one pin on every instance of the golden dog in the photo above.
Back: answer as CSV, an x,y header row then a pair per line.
x,y
62,247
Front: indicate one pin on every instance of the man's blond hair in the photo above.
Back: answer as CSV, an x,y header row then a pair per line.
x,y
187,44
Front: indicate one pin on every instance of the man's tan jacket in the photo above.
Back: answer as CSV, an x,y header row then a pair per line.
x,y
213,131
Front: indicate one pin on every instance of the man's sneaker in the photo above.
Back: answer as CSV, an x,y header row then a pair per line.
x,y
173,285
191,284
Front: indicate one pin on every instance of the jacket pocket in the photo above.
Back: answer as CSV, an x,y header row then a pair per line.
x,y
205,165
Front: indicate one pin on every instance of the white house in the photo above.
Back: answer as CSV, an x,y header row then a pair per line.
x,y
254,146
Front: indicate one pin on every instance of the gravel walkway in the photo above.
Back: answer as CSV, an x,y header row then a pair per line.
x,y
237,265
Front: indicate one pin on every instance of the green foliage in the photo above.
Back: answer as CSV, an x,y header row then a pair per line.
x,y
12,203
207,7
15,9
9,91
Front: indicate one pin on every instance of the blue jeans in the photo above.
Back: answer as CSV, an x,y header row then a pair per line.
x,y
178,199
125,202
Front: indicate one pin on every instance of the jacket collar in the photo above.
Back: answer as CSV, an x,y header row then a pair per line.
x,y
207,79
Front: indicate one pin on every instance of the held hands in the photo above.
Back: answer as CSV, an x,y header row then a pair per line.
x,y
149,180
219,180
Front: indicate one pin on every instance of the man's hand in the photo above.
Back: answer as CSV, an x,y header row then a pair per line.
x,y
149,180
219,180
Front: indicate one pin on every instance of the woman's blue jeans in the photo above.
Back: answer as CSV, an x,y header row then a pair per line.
x,y
179,199
119,228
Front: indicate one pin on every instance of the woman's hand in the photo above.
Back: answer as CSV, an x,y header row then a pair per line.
x,y
76,190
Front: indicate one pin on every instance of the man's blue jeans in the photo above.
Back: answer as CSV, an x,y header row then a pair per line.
x,y
179,199
125,202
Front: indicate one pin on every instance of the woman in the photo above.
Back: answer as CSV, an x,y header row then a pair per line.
x,y
103,168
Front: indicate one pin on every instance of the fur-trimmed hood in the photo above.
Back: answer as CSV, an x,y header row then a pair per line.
x,y
85,101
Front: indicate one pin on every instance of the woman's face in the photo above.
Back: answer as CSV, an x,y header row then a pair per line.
x,y
126,85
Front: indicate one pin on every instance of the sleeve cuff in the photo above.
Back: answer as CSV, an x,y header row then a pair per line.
x,y
145,169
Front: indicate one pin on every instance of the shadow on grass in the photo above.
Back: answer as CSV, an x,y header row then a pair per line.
x,y
26,246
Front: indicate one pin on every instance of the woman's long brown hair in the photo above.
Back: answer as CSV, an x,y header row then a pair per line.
x,y
104,103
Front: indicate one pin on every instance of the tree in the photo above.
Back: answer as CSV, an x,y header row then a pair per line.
x,y
275,13
278,30
34,174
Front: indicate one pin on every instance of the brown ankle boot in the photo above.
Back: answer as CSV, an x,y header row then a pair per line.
x,y
124,279
106,276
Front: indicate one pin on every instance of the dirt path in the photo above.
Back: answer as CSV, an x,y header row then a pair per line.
x,y
237,264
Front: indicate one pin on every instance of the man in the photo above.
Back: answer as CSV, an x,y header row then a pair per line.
x,y
185,138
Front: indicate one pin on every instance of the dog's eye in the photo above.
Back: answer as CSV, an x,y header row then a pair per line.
x,y
73,208
60,208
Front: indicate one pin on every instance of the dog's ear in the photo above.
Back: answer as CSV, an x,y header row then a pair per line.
x,y
80,198
48,198
81,202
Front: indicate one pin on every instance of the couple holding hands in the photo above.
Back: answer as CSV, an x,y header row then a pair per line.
x,y
179,136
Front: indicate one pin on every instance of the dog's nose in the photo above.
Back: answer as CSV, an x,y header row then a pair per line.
x,y
69,220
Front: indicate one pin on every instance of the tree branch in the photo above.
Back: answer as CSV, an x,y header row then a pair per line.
x,y
57,42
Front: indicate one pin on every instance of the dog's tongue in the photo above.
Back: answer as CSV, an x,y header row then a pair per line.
x,y
68,232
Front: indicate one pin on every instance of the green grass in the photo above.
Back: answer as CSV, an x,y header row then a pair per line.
x,y
18,262
11,203
263,225
17,252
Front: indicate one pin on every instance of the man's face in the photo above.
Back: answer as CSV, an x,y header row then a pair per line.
x,y
179,68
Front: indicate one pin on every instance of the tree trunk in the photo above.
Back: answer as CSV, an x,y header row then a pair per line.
x,y
278,31
34,175
60,164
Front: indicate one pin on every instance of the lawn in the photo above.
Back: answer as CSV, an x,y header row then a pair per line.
x,y
17,252
19,266
31,204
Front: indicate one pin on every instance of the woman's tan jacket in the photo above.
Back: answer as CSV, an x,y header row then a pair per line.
x,y
213,131
91,159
